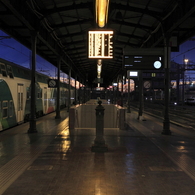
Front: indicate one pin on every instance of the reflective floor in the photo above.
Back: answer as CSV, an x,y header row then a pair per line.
x,y
57,161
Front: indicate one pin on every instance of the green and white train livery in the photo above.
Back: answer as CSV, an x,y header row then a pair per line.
x,y
15,94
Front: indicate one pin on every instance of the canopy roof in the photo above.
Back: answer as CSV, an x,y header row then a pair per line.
x,y
63,26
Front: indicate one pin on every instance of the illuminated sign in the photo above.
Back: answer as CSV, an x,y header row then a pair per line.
x,y
132,74
142,62
100,44
143,58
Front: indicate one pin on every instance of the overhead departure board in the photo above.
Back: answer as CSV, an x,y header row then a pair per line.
x,y
100,44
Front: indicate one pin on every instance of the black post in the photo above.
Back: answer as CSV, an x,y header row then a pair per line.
x,y
122,93
178,81
75,93
69,90
166,122
140,114
128,106
32,128
99,142
58,92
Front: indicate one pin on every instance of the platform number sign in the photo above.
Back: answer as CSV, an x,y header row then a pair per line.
x,y
52,83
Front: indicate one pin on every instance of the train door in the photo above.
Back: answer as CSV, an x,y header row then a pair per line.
x,y
20,110
45,100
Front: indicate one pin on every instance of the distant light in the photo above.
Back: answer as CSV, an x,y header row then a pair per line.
x,y
133,73
99,67
186,61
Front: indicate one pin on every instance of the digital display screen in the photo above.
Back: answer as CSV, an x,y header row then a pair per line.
x,y
141,62
100,44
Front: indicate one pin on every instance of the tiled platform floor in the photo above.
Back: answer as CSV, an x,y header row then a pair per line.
x,y
55,161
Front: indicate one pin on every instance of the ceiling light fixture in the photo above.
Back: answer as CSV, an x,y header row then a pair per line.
x,y
101,12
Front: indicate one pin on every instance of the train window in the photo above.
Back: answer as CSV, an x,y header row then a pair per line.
x,y
19,102
10,108
10,72
3,70
39,94
21,106
28,93
26,72
5,109
39,77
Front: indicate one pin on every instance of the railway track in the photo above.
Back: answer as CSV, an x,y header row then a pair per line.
x,y
181,115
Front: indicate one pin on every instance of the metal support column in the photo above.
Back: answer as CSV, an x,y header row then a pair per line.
x,y
140,114
69,90
128,106
166,122
58,91
84,93
75,93
178,81
122,93
32,128
79,94
183,83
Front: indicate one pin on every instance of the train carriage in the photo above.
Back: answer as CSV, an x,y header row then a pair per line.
x,y
15,94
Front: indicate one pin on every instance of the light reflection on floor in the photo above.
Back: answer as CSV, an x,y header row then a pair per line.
x,y
65,142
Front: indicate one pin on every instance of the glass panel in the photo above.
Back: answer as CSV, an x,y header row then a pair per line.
x,y
21,101
27,94
18,101
10,108
5,104
3,70
5,113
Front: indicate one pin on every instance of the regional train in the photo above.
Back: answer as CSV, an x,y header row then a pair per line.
x,y
15,95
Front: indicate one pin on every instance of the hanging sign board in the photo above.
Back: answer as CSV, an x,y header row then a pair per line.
x,y
100,44
144,59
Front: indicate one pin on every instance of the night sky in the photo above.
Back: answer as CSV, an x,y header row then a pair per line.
x,y
186,50
13,51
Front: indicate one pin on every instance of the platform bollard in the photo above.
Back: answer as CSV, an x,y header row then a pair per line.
x,y
99,142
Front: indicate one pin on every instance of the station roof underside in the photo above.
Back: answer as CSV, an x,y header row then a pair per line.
x,y
63,26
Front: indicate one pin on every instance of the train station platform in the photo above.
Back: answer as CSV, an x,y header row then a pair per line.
x,y
58,161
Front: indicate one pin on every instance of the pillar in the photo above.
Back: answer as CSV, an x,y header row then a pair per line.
x,y
75,93
58,91
128,106
140,114
166,122
69,90
32,128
